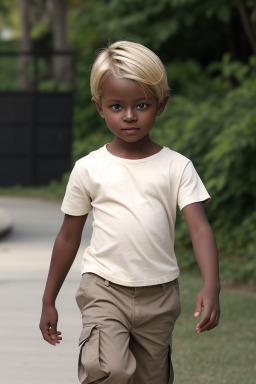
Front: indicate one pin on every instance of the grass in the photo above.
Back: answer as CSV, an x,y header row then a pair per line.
x,y
54,191
225,355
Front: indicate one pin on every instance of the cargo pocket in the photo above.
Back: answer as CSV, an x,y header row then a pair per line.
x,y
89,370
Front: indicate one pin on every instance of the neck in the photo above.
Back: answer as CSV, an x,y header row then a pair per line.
x,y
142,148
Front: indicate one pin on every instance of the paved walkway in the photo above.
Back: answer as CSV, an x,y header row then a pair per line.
x,y
25,358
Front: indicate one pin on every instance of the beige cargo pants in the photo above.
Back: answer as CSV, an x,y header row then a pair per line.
x,y
127,332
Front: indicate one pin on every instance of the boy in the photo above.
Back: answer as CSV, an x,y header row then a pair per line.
x,y
128,294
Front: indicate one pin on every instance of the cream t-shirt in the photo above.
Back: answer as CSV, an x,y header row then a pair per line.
x,y
134,210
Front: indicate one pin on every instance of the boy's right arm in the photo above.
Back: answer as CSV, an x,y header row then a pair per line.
x,y
64,252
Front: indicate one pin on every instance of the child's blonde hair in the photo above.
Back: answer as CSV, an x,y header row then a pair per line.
x,y
128,60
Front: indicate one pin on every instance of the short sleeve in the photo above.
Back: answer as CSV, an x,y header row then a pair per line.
x,y
191,188
77,201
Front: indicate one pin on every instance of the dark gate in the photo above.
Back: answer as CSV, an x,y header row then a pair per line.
x,y
35,123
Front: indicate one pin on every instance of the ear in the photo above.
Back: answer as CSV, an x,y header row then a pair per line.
x,y
98,106
162,105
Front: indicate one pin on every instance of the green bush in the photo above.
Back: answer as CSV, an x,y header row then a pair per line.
x,y
219,136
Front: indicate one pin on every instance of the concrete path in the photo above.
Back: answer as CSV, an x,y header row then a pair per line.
x,y
25,358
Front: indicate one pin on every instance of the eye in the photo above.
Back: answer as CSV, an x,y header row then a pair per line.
x,y
116,107
142,106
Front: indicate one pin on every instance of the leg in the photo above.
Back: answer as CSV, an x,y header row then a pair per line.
x,y
151,335
105,356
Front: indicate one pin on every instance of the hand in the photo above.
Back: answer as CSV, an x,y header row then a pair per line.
x,y
207,298
48,324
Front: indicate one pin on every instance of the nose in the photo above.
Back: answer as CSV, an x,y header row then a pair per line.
x,y
129,115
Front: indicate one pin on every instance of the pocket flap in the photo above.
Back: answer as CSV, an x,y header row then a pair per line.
x,y
86,333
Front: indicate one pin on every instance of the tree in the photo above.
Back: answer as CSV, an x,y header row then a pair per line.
x,y
25,44
62,66
52,12
249,26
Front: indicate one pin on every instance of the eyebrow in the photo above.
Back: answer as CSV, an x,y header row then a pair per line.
x,y
139,99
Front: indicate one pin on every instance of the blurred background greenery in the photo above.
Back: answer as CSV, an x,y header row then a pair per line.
x,y
209,50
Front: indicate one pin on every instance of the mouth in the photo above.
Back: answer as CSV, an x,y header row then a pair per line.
x,y
130,130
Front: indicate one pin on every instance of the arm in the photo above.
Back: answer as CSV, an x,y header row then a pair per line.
x,y
206,253
63,255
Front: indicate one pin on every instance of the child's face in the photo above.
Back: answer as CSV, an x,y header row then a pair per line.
x,y
129,111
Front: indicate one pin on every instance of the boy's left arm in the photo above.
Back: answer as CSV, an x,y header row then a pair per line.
x,y
206,253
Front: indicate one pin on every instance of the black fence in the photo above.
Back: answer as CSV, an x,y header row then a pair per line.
x,y
36,119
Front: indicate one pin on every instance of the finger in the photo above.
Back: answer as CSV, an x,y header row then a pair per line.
x,y
50,334
198,307
56,337
53,330
216,322
207,322
197,313
54,333
48,337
